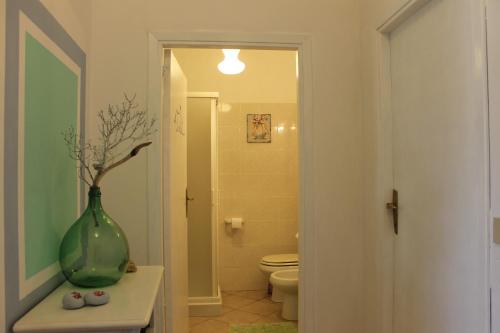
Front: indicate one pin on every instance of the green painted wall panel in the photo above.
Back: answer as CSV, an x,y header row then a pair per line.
x,y
50,182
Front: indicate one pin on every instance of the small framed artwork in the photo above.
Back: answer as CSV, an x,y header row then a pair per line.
x,y
258,128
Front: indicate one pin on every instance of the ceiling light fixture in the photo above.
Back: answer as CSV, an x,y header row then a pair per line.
x,y
231,64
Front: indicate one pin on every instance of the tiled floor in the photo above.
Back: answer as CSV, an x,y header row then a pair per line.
x,y
239,307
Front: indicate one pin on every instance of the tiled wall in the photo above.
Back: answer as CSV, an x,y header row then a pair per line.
x,y
258,182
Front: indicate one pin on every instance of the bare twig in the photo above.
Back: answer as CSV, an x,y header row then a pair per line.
x,y
121,126
132,153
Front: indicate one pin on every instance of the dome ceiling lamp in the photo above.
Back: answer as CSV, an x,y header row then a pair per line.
x,y
231,65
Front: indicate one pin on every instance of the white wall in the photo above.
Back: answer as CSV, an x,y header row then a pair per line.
x,y
258,182
119,63
270,75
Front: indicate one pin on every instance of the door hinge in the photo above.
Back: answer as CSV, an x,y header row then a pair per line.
x,y
188,199
164,69
491,310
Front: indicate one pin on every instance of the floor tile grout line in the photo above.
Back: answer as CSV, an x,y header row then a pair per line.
x,y
261,317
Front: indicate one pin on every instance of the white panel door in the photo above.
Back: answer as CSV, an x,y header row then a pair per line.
x,y
493,14
175,240
440,170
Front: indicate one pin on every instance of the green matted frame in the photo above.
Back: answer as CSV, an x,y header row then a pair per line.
x,y
48,186
44,95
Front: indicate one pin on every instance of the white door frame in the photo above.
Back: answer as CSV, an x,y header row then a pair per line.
x,y
2,187
384,237
156,175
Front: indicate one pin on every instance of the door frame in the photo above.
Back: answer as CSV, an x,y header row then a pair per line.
x,y
385,240
158,221
214,98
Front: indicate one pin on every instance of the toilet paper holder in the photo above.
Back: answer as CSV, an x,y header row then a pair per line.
x,y
230,220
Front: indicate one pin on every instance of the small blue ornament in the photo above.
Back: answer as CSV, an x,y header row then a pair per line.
x,y
73,300
97,297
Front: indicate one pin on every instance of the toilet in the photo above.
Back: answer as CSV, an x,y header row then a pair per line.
x,y
287,282
278,262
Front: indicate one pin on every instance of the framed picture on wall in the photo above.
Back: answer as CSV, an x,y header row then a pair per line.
x,y
258,128
45,96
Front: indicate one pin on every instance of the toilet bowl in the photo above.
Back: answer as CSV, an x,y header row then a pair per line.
x,y
287,282
278,262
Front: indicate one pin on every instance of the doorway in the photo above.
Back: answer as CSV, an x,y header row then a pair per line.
x,y
306,233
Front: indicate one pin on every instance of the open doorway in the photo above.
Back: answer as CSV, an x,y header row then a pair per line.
x,y
162,232
241,236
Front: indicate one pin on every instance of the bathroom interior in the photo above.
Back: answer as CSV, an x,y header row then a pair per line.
x,y
242,171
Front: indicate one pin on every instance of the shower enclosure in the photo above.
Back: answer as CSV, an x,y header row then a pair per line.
x,y
202,195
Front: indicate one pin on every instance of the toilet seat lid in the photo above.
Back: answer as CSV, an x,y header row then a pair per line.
x,y
281,259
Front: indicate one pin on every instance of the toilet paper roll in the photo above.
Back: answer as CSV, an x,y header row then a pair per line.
x,y
236,222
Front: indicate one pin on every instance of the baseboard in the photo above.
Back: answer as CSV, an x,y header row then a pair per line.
x,y
206,306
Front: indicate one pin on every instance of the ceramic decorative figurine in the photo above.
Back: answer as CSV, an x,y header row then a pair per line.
x,y
73,300
97,297
132,268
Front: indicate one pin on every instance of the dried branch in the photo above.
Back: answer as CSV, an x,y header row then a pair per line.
x,y
132,153
121,126
79,151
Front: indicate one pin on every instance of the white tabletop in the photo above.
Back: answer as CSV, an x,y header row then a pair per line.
x,y
130,307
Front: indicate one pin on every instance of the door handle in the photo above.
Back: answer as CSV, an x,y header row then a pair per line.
x,y
188,198
394,208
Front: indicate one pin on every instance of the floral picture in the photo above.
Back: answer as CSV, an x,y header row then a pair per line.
x,y
258,128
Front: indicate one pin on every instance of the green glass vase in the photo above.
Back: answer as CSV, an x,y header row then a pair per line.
x,y
94,251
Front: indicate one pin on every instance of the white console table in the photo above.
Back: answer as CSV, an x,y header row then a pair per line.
x,y
130,310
